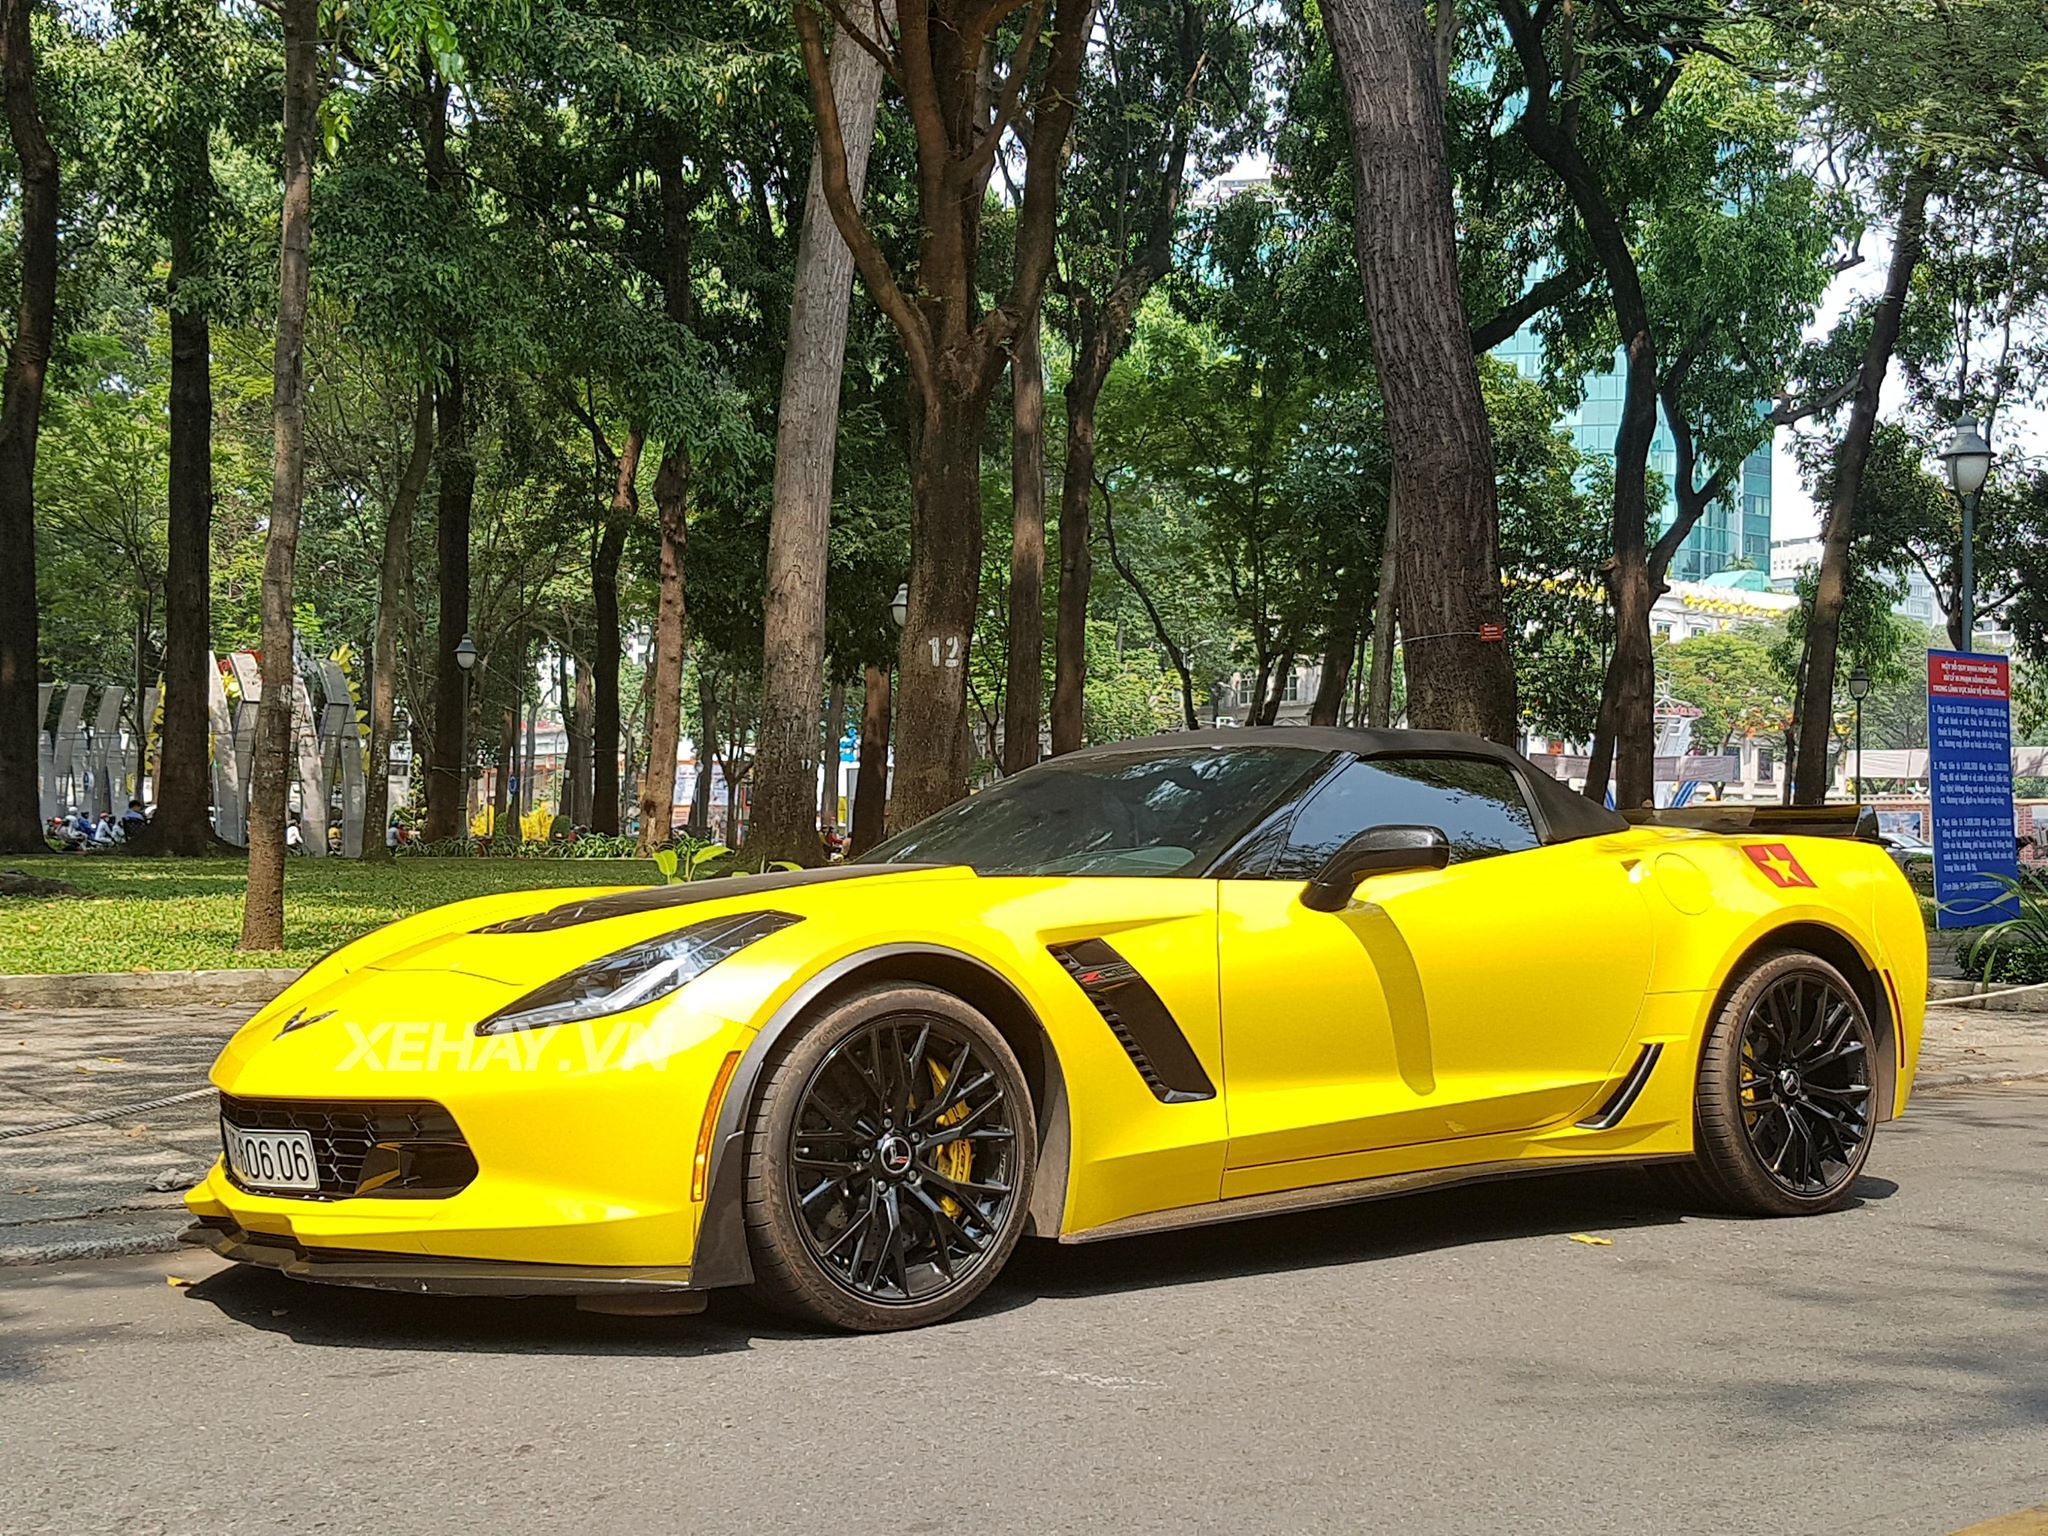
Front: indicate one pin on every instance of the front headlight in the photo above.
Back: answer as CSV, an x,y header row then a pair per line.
x,y
629,977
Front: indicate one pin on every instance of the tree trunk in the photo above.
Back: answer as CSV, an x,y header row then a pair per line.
x,y
568,783
828,744
1448,547
799,526
945,543
871,778
529,797
508,768
447,773
671,508
270,774
1026,675
391,571
608,648
1831,584
183,793
1333,680
579,755
21,411
665,685
1379,693
707,752
1174,653
1070,622
1269,708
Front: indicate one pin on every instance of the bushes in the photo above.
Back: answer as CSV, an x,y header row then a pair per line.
x,y
695,854
2015,951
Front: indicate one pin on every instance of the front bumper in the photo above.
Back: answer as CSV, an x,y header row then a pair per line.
x,y
428,1276
582,1138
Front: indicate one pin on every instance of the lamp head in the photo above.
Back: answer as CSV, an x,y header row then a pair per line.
x,y
1968,457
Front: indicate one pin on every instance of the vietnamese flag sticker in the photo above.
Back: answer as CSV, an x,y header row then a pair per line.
x,y
1778,865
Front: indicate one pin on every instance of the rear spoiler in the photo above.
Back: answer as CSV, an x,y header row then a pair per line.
x,y
1775,820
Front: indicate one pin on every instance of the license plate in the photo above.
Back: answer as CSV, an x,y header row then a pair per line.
x,y
281,1160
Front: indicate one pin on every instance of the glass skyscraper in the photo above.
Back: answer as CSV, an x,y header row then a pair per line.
x,y
1735,532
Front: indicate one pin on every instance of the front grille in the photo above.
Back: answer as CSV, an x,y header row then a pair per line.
x,y
391,1149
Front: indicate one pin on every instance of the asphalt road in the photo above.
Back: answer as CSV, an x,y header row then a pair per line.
x,y
1444,1363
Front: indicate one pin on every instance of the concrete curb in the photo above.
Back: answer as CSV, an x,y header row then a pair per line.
x,y
135,989
1936,1082
86,1249
94,1235
1947,989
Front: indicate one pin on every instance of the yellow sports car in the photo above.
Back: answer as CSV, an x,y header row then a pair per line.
x,y
1182,980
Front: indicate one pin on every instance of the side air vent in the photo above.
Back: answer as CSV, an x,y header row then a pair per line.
x,y
1623,1099
1138,1019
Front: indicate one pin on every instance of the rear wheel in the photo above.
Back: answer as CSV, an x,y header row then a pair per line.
x,y
889,1162
1785,1106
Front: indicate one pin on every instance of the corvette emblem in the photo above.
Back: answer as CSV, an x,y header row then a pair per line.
x,y
894,1154
1778,865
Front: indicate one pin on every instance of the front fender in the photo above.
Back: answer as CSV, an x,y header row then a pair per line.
x,y
721,1257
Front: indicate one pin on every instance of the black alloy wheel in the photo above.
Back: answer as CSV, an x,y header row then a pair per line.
x,y
1786,1102
1805,1087
889,1175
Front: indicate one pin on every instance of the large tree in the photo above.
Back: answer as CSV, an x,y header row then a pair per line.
x,y
21,410
961,114
1172,96
1838,529
799,530
190,54
263,904
1460,672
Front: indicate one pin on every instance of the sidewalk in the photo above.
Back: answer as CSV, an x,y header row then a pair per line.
x,y
1963,1046
93,1191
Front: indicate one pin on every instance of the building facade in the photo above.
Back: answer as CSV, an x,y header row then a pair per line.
x,y
1790,558
1734,534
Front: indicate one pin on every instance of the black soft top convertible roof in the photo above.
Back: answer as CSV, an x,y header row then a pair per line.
x,y
1563,815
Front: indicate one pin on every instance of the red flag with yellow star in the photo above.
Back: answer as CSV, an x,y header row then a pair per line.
x,y
1778,865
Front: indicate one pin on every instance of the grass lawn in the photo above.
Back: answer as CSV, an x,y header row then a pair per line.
x,y
186,914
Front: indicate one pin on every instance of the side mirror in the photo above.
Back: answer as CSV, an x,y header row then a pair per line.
x,y
1375,851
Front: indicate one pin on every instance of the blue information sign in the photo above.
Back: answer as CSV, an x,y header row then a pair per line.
x,y
1969,776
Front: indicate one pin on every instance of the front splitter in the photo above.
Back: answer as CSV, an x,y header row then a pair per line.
x,y
427,1276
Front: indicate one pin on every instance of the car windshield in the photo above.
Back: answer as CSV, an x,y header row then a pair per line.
x,y
1136,813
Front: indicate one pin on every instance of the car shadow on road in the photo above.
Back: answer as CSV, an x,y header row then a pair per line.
x,y
341,1317
1551,1205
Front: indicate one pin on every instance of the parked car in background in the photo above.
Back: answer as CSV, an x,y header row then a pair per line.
x,y
1907,850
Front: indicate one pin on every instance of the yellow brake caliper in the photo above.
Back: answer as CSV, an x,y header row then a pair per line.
x,y
954,1159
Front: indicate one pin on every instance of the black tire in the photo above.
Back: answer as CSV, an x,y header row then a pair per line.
x,y
1785,1106
861,1212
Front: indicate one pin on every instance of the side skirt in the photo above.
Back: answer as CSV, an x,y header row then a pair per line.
x,y
1351,1192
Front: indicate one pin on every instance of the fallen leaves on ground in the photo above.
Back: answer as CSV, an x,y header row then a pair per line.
x,y
1591,1241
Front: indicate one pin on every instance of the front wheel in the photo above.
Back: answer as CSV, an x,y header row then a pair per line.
x,y
1785,1106
889,1162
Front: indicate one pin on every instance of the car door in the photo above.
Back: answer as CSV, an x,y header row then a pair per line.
x,y
1495,995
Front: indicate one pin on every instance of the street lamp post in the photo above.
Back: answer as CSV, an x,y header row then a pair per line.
x,y
899,605
465,658
1859,685
1968,457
